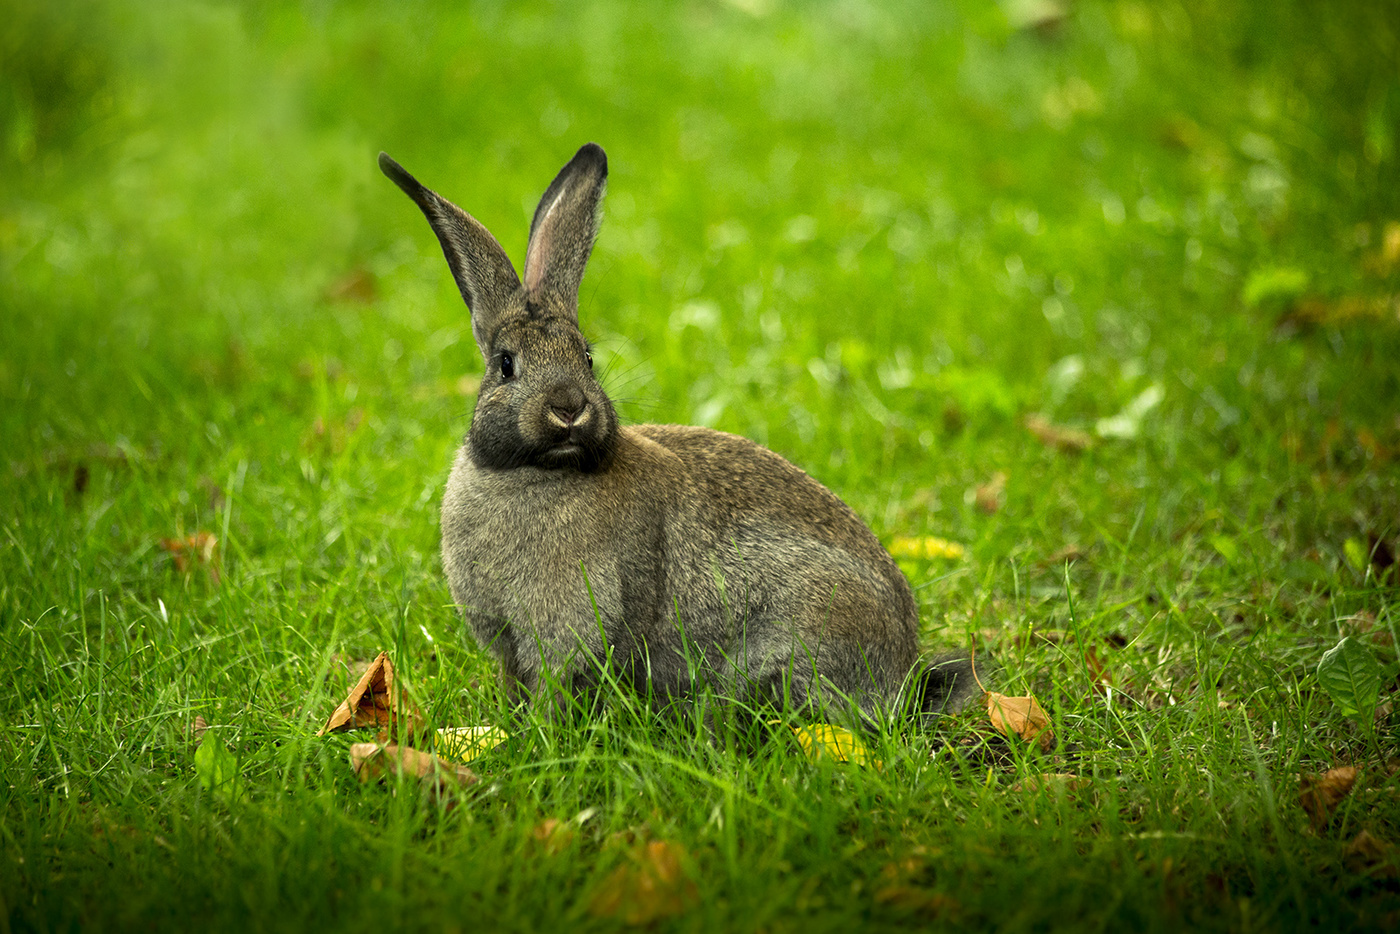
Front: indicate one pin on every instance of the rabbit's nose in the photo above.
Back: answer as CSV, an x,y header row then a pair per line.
x,y
566,404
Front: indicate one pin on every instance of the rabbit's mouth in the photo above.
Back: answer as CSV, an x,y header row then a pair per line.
x,y
573,453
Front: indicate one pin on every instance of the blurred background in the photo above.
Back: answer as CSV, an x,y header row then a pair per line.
x,y
932,252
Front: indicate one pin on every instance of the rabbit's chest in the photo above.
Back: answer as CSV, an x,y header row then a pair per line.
x,y
527,551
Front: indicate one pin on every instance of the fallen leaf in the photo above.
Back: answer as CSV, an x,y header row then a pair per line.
x,y
1368,855
197,550
218,771
372,701
378,761
1313,311
554,835
1099,674
1052,782
989,496
1320,794
914,900
1019,716
1072,440
820,740
1042,637
925,548
466,743
1352,677
650,885
357,285
1066,555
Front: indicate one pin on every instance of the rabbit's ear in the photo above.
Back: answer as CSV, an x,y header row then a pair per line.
x,y
483,272
565,224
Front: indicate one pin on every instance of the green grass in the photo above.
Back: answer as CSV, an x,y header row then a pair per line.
x,y
874,237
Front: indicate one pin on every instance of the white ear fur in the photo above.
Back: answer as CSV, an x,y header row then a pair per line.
x,y
536,255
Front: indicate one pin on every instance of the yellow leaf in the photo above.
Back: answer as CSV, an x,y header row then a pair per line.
x,y
823,739
466,743
926,548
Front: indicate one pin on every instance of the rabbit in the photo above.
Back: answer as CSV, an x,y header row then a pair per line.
x,y
661,556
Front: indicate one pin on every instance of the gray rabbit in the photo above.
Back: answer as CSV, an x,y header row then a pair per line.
x,y
662,556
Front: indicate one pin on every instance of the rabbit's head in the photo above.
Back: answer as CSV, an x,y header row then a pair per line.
x,y
539,404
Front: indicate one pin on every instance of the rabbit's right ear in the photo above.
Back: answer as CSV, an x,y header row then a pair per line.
x,y
564,227
484,273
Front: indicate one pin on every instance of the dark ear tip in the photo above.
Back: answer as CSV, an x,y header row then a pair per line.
x,y
398,175
592,154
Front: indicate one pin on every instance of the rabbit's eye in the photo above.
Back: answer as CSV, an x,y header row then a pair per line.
x,y
507,366
589,357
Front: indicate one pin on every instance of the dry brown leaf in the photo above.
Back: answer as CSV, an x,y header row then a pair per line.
x,y
1368,855
1099,674
192,551
1019,716
989,496
373,760
912,899
554,835
1312,310
357,285
1320,794
1059,437
1052,782
198,729
650,885
1066,555
1042,637
372,703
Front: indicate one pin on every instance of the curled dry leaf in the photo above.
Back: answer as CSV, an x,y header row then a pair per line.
x,y
198,550
1061,438
1019,716
1320,794
989,496
1099,674
357,285
1369,855
649,886
373,702
374,761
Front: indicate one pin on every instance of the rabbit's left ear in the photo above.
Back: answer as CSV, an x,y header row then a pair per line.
x,y
565,225
484,274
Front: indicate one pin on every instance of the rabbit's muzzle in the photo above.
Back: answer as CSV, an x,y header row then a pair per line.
x,y
567,407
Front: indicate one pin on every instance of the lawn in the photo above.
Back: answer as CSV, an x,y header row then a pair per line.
x,y
1091,310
